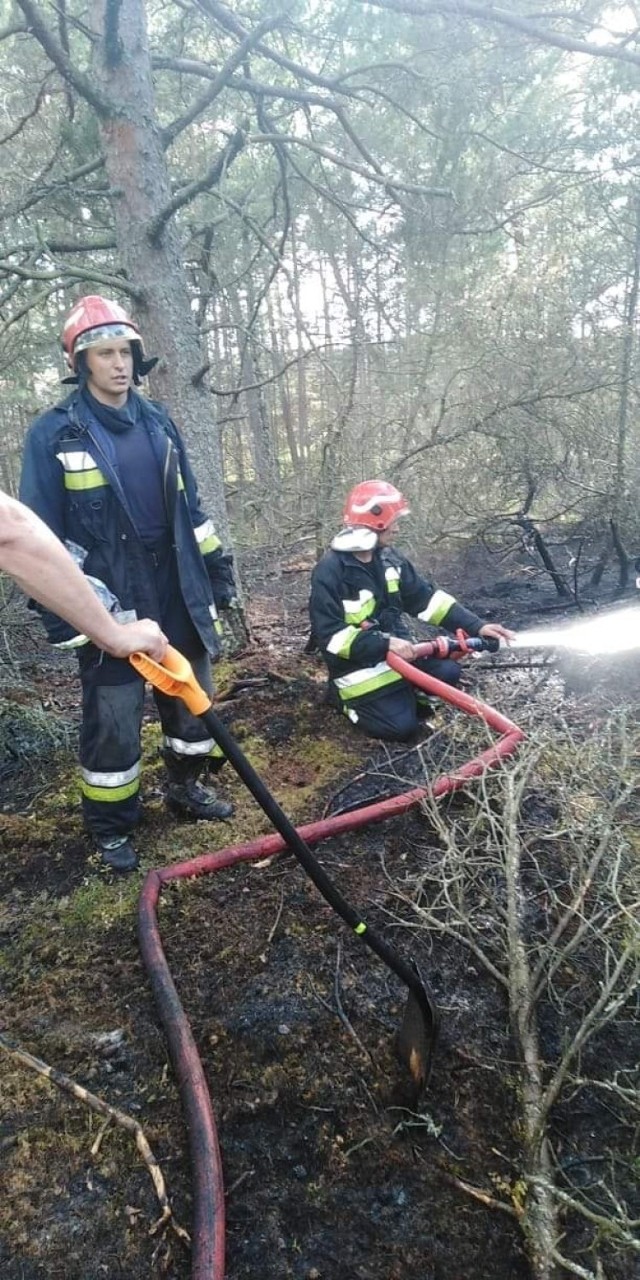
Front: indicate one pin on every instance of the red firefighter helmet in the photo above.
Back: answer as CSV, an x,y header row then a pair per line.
x,y
92,320
374,504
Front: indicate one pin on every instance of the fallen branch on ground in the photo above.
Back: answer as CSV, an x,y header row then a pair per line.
x,y
112,1114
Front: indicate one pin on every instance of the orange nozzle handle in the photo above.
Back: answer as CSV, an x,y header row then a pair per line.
x,y
174,677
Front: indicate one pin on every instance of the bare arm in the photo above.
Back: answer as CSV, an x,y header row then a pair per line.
x,y
43,568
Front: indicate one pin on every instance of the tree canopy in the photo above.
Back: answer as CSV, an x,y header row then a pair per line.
x,y
399,238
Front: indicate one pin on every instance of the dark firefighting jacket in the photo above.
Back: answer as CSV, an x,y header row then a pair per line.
x,y
355,608
70,479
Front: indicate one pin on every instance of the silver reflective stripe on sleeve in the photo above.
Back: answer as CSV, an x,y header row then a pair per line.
x,y
207,537
437,608
75,642
355,611
341,642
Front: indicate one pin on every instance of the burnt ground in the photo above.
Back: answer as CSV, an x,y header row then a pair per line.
x,y
333,1167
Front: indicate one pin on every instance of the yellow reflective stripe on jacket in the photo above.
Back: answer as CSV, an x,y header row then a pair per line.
x,y
366,680
180,481
341,642
392,576
112,786
80,470
437,608
84,479
355,611
207,537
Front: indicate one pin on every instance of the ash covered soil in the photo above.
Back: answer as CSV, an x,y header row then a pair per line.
x,y
333,1166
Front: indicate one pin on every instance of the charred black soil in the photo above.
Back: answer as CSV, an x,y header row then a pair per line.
x,y
333,1167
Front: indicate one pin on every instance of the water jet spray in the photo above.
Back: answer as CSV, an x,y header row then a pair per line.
x,y
615,632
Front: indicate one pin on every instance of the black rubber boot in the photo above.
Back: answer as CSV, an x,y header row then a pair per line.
x,y
186,795
192,800
118,854
426,708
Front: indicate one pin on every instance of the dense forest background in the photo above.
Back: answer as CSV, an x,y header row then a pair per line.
x,y
402,239
399,238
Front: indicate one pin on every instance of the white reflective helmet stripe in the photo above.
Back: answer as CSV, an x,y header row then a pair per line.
x,y
105,333
376,500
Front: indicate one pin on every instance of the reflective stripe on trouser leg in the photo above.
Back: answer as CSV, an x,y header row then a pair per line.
x,y
390,712
185,735
110,756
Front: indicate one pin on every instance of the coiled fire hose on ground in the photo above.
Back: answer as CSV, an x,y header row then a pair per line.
x,y
418,1033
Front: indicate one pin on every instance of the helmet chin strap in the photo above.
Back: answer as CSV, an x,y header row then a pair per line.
x,y
141,369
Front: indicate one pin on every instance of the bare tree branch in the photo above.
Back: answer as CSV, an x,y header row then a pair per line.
x,y
209,179
61,61
219,80
19,126
391,184
489,15
255,386
14,29
220,13
54,246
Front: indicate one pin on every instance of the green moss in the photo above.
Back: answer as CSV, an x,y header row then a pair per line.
x,y
151,737
224,675
98,904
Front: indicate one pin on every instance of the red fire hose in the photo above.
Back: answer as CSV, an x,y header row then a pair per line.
x,y
208,1262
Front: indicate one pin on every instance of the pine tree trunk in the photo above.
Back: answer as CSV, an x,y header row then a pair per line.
x,y
140,188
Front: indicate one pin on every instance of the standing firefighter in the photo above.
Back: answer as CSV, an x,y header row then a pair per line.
x,y
107,471
359,591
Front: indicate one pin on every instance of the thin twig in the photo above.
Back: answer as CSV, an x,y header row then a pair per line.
x,y
113,1114
276,922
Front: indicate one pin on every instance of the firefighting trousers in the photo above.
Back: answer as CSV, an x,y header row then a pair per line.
x,y
112,707
394,712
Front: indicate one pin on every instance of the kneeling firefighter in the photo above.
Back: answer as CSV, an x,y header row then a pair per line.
x,y
359,591
107,471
